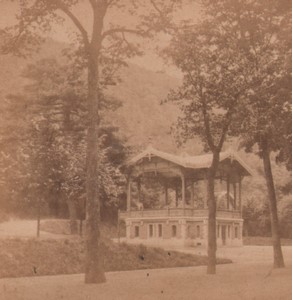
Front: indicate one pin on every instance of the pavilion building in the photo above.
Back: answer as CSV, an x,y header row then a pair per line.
x,y
182,217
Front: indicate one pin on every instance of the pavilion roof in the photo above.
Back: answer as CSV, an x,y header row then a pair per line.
x,y
193,162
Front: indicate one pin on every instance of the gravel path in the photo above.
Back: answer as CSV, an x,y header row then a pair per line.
x,y
245,255
231,282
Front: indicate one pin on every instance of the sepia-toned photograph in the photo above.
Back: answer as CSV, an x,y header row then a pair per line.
x,y
145,149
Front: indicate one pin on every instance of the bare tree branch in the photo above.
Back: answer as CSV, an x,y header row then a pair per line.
x,y
204,111
122,30
228,118
225,128
156,8
75,20
23,25
110,2
92,3
206,121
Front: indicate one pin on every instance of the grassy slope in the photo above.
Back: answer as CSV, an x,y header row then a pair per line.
x,y
32,257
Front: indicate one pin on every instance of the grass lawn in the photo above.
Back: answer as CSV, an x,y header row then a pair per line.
x,y
263,241
35,257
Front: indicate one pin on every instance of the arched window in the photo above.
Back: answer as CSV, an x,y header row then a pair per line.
x,y
173,230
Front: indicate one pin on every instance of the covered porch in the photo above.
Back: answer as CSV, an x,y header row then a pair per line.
x,y
183,196
186,176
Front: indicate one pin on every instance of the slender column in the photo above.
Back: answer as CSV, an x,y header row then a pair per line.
x,y
129,193
183,190
240,232
192,194
220,185
166,193
176,195
234,195
206,191
139,189
239,195
221,182
228,191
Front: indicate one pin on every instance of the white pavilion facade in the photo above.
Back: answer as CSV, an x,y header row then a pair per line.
x,y
182,216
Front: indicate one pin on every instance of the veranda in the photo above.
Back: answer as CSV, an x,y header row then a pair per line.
x,y
182,218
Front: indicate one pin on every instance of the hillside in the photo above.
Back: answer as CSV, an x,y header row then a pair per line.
x,y
11,67
141,116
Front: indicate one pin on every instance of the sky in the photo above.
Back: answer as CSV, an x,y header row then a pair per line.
x,y
62,33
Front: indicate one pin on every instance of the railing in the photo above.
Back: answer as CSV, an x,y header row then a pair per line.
x,y
177,212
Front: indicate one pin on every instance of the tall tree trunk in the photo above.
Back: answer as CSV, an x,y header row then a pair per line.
x,y
73,216
94,269
212,242
278,255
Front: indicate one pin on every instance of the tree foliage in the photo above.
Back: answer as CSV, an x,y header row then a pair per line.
x,y
265,117
101,50
55,145
215,80
235,81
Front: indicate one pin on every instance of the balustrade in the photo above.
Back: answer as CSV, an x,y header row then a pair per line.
x,y
177,212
